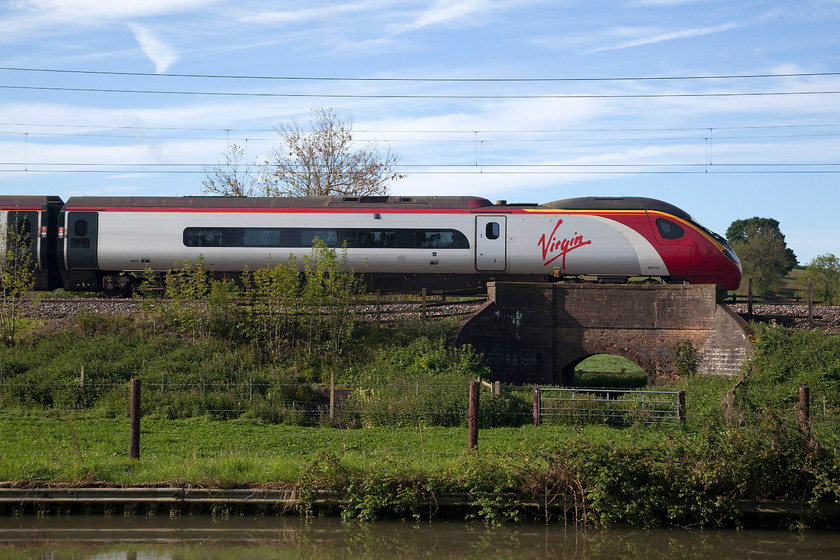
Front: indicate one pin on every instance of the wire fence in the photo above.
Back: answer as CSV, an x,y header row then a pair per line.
x,y
401,419
395,400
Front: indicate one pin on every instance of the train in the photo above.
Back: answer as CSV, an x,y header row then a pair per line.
x,y
443,243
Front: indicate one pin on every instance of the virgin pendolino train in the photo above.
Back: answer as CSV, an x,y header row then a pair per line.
x,y
395,242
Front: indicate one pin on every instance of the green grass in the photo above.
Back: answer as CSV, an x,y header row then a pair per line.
x,y
609,370
82,447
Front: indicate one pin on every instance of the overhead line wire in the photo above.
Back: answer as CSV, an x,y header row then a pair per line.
x,y
703,168
439,131
422,79
423,96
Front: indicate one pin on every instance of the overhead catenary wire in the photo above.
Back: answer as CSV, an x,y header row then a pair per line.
x,y
490,137
420,96
422,79
436,131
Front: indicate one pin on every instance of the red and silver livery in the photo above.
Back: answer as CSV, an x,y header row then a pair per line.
x,y
396,242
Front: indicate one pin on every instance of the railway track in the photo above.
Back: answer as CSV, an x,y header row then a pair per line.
x,y
56,308
788,315
792,315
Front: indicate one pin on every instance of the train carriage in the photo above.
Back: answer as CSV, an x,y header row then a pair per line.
x,y
395,242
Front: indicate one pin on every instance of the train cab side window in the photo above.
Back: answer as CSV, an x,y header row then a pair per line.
x,y
491,230
668,229
80,228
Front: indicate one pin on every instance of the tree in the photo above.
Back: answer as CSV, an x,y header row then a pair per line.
x,y
17,277
323,160
234,177
765,256
824,274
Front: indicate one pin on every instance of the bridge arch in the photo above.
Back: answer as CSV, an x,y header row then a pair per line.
x,y
530,333
628,367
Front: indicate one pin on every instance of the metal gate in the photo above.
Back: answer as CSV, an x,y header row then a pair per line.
x,y
614,406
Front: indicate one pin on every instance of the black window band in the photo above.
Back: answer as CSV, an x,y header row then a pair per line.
x,y
403,238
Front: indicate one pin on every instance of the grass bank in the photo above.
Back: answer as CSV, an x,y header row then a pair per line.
x,y
221,412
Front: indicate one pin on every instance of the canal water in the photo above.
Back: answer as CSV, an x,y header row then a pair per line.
x,y
139,538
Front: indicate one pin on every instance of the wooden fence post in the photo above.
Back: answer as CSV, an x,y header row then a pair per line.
x,y
805,409
749,300
332,394
134,445
472,436
536,406
681,406
810,304
423,293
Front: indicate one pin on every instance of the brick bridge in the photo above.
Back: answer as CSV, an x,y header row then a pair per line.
x,y
536,333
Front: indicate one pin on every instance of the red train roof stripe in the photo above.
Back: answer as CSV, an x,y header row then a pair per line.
x,y
345,210
290,210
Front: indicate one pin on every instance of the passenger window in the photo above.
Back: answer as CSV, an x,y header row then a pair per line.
x,y
80,228
365,238
261,237
328,236
491,231
202,237
668,229
443,239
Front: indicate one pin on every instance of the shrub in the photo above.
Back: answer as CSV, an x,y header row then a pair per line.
x,y
686,358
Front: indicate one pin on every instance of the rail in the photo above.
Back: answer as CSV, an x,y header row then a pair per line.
x,y
372,308
621,406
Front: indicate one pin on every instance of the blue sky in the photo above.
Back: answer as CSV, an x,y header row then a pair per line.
x,y
726,109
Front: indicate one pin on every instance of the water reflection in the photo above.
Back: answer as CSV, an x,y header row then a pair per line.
x,y
139,538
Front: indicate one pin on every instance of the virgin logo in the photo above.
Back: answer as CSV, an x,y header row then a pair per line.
x,y
554,247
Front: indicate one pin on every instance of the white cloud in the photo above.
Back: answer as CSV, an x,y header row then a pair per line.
x,y
282,17
161,54
446,10
51,18
669,36
330,12
97,10
666,3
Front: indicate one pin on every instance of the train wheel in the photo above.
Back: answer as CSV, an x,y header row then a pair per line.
x,y
116,285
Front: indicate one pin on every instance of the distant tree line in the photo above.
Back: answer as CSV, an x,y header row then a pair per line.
x,y
767,260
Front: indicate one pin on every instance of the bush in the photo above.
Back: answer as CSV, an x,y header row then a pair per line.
x,y
787,359
686,358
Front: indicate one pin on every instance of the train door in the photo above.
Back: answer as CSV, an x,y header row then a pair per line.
x,y
22,232
80,236
490,243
